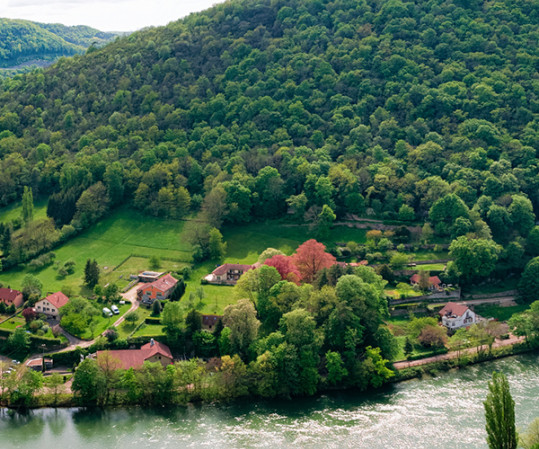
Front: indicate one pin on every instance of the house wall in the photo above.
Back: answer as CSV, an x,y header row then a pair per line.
x,y
163,360
17,302
47,308
465,320
151,294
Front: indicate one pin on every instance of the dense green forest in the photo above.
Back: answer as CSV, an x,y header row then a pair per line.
x,y
25,42
252,109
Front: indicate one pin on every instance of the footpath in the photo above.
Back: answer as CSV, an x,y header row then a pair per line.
x,y
456,354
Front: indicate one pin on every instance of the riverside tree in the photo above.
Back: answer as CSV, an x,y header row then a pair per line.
x,y
500,414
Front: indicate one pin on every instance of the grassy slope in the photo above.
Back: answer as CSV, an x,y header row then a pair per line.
x,y
110,242
14,211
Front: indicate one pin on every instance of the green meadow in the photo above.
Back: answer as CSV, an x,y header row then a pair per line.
x,y
14,210
111,241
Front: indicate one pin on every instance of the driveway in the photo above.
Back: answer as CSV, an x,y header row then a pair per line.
x,y
131,296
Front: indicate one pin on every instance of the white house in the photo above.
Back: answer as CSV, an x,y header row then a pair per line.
x,y
455,316
50,305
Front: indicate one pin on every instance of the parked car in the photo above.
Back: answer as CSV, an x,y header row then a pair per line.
x,y
107,312
115,310
121,301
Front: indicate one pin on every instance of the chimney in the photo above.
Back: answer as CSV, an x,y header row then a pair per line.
x,y
152,342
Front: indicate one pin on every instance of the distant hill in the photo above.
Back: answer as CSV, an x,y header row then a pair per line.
x,y
24,43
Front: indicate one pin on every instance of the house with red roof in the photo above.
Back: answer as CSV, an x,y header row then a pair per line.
x,y
50,305
434,282
229,273
454,316
135,358
159,289
209,321
9,296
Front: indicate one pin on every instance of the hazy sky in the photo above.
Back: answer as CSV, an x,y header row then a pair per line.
x,y
105,15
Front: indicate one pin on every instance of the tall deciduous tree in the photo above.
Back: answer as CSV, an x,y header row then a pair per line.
x,y
241,319
310,258
500,414
474,258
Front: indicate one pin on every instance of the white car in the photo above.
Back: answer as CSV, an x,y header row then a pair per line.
x,y
107,312
115,310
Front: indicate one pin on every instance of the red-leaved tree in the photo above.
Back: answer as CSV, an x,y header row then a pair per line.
x,y
29,314
310,258
285,266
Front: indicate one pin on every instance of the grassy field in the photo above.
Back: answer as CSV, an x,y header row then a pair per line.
x,y
245,243
14,210
499,313
110,242
134,265
431,267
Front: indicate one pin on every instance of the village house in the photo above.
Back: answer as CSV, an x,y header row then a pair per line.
x,y
159,289
454,316
209,321
434,282
135,358
41,364
229,273
51,304
9,296
149,276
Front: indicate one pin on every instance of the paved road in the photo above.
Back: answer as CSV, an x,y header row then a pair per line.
x,y
130,296
455,354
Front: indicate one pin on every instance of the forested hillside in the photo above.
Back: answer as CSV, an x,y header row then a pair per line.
x,y
22,41
390,109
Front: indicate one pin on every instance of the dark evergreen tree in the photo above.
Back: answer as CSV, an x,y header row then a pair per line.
x,y
91,273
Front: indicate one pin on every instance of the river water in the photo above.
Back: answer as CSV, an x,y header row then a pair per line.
x,y
443,412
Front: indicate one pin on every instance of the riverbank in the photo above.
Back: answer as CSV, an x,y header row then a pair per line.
x,y
402,415
63,397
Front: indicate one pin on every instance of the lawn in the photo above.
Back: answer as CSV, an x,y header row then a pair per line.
x,y
126,329
497,312
245,243
216,297
431,267
149,330
14,210
134,265
103,323
125,232
13,323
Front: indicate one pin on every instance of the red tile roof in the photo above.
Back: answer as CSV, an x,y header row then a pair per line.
x,y
453,309
223,269
163,284
134,358
433,280
57,299
9,295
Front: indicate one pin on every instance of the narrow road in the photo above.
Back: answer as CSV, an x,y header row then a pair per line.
x,y
455,354
131,296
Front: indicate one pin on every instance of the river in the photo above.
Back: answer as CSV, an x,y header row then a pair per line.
x,y
442,412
